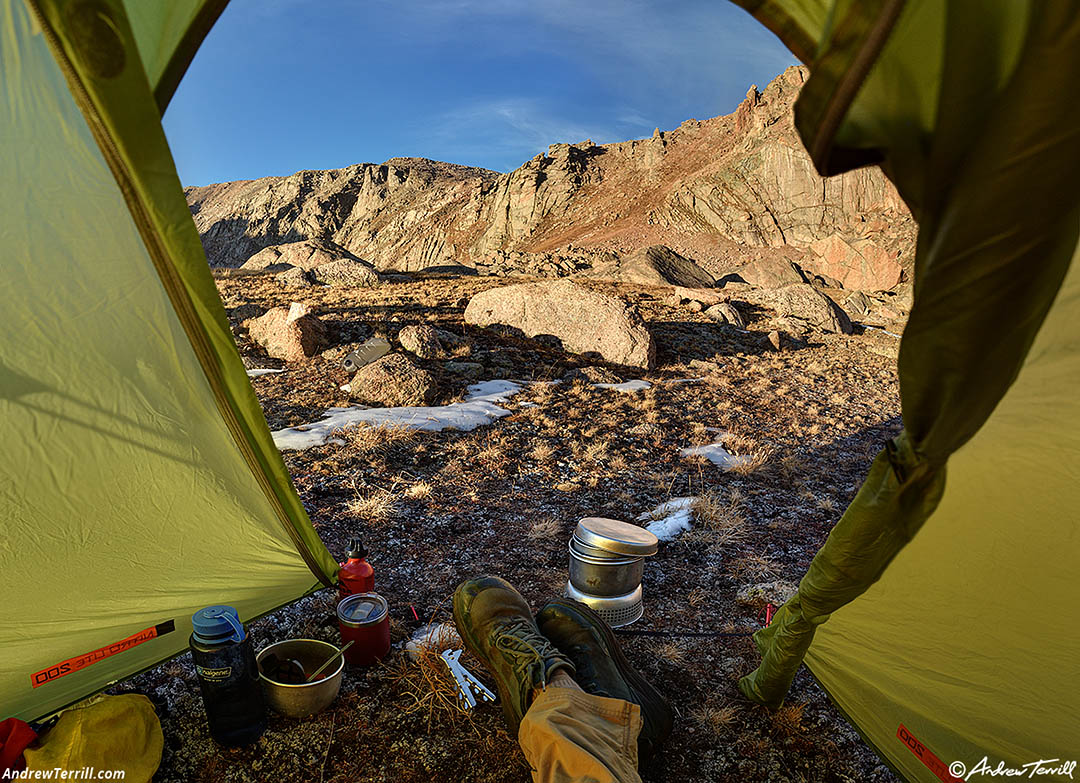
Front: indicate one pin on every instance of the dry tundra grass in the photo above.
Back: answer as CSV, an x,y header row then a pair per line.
x,y
377,507
436,508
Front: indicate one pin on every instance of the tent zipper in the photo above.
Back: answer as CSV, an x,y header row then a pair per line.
x,y
170,281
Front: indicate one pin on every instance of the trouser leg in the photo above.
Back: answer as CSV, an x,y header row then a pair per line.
x,y
570,736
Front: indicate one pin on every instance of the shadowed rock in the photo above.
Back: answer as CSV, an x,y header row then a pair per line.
x,y
803,302
660,265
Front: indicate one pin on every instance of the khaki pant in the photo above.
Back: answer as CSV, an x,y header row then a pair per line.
x,y
574,737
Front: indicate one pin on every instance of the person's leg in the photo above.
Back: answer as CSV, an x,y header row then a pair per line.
x,y
601,669
567,735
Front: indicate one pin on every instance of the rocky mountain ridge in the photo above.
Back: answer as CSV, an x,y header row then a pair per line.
x,y
722,192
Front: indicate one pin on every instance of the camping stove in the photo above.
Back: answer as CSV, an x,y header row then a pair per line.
x,y
616,610
607,559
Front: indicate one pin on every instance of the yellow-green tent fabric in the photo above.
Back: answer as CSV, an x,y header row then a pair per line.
x,y
141,482
960,644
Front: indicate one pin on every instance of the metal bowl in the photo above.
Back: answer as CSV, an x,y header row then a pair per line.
x,y
300,701
605,576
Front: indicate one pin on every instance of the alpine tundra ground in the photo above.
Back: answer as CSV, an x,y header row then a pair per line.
x,y
435,508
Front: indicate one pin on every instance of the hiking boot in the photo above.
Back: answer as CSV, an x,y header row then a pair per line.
x,y
603,670
497,627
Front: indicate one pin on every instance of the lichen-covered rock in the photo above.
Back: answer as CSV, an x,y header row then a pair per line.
x,y
585,322
346,271
290,334
293,277
421,340
776,593
469,370
305,254
393,381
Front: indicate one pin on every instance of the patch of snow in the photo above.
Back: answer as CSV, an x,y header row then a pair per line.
x,y
626,387
261,371
670,519
478,409
716,454
683,380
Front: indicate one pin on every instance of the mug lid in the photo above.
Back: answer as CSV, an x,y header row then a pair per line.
x,y
362,609
615,536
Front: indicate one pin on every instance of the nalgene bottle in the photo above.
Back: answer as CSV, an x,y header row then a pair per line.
x,y
228,676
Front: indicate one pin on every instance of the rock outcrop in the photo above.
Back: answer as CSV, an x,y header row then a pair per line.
x,y
803,302
861,265
660,265
290,334
305,254
584,321
706,189
346,271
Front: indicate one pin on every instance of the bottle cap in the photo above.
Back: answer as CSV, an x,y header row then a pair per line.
x,y
356,549
217,624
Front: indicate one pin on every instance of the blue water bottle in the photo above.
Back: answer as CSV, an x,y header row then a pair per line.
x,y
228,676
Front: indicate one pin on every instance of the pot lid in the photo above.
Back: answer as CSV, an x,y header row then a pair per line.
x,y
615,536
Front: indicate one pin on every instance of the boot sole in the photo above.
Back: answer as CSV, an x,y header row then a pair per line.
x,y
473,647
647,696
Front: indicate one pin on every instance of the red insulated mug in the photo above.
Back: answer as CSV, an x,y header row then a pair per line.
x,y
365,620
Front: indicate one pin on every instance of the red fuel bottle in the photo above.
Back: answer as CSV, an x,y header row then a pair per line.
x,y
356,574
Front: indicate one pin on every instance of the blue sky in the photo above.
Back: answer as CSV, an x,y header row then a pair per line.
x,y
285,85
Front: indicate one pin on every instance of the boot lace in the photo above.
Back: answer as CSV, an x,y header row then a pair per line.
x,y
525,649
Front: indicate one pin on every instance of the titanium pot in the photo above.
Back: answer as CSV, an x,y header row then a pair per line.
x,y
615,537
586,550
308,698
605,576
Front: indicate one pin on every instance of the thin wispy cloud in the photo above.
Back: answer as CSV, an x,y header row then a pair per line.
x,y
518,128
284,85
